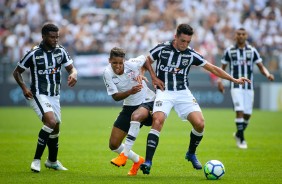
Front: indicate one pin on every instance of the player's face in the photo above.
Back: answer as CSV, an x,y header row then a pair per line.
x,y
241,36
51,39
117,64
182,41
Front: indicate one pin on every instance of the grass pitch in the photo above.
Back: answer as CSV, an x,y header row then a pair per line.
x,y
84,148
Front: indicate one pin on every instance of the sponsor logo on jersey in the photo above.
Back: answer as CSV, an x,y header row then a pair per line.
x,y
165,52
49,71
39,57
171,69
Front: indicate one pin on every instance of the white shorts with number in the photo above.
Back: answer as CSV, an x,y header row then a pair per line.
x,y
243,100
183,102
42,104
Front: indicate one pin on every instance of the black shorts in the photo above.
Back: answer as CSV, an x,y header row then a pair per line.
x,y
123,120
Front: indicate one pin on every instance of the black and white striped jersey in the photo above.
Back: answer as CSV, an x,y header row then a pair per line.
x,y
241,63
45,69
172,66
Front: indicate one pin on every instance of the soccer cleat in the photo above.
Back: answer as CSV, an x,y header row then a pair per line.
x,y
55,165
120,160
240,144
134,169
35,165
195,162
146,167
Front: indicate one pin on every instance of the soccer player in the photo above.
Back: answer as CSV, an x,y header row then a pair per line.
x,y
241,58
124,82
45,62
173,62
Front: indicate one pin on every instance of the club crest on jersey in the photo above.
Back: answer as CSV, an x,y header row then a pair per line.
x,y
185,62
59,60
158,103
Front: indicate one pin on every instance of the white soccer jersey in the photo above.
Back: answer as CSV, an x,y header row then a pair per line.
x,y
121,83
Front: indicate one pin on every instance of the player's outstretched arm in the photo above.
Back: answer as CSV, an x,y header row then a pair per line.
x,y
263,70
222,74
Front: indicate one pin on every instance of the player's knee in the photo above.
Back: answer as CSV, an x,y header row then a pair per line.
x,y
199,125
113,145
137,117
51,123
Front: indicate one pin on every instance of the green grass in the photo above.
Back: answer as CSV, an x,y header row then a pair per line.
x,y
84,148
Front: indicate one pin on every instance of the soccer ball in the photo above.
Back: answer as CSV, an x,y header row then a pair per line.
x,y
214,170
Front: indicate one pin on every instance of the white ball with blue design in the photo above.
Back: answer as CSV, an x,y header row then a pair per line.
x,y
214,170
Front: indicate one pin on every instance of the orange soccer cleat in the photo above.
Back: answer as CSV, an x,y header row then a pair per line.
x,y
134,169
120,160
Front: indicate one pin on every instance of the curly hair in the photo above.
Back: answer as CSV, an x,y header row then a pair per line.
x,y
49,27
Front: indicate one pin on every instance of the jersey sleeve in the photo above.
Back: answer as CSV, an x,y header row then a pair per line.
x,y
225,58
137,62
109,83
198,60
257,58
155,52
67,60
27,60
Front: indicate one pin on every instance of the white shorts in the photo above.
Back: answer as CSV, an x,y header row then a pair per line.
x,y
183,102
243,100
42,104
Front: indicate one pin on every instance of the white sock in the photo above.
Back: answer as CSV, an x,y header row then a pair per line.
x,y
131,136
120,148
133,156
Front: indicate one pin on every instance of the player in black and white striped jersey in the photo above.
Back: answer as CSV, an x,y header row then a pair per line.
x,y
241,58
173,62
45,62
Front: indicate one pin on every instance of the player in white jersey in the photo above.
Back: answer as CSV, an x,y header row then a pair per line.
x,y
45,62
241,58
124,82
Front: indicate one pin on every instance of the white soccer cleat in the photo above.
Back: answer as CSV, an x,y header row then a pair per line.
x,y
35,165
243,145
240,144
55,165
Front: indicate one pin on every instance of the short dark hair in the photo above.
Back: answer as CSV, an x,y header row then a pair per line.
x,y
117,52
49,27
185,29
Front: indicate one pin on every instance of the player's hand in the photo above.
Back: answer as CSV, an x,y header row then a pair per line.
x,y
136,89
220,87
158,83
242,80
139,79
27,94
270,77
72,79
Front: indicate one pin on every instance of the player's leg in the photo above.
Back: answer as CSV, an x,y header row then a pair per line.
x,y
248,104
43,109
153,140
119,131
162,107
238,103
197,120
53,141
187,108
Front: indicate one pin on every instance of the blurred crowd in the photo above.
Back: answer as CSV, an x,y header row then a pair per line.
x,y
95,26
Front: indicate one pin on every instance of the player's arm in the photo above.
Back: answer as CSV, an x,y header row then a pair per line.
x,y
72,78
123,95
155,80
18,77
263,70
220,85
222,74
